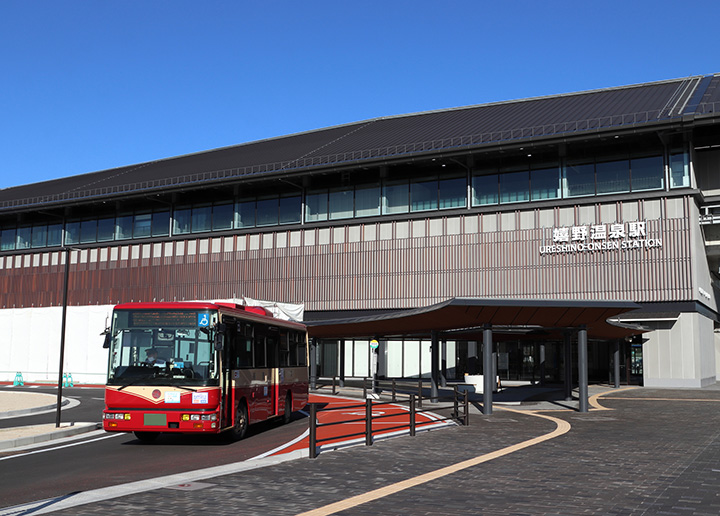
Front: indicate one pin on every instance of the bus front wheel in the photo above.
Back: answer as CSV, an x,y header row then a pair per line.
x,y
240,427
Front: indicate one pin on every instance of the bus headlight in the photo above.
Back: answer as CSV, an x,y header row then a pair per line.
x,y
111,415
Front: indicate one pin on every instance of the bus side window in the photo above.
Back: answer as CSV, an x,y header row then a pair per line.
x,y
245,352
302,350
285,349
297,349
272,343
259,351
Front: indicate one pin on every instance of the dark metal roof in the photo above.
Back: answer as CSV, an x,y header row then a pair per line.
x,y
465,313
383,139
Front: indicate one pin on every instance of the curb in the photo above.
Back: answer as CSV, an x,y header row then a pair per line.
x,y
74,429
34,410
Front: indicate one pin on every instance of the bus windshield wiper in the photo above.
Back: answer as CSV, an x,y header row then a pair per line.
x,y
136,380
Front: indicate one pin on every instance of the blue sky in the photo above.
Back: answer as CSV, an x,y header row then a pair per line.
x,y
89,85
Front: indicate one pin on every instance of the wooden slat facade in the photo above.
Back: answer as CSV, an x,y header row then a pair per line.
x,y
380,265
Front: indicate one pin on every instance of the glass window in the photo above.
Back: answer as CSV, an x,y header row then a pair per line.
x,y
515,186
679,171
579,180
124,227
485,189
105,230
545,183
161,223
316,206
612,176
142,225
424,195
647,173
452,193
88,231
39,236
201,218
396,197
54,235
267,211
181,221
72,233
245,214
367,201
7,239
222,216
291,210
341,204
24,238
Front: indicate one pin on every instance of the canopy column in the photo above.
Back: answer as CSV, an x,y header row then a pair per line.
x,y
616,364
583,369
443,363
341,372
313,363
568,366
434,366
488,370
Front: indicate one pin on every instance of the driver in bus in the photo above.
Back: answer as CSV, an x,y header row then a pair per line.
x,y
152,359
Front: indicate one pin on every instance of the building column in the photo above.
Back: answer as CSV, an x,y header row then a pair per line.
x,y
488,370
341,372
583,369
542,364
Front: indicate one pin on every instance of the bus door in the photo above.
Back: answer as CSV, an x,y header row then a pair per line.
x,y
273,352
227,330
262,380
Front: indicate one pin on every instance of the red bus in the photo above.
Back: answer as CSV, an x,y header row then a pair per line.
x,y
201,367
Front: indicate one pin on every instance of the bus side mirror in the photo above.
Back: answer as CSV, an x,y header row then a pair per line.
x,y
219,337
106,343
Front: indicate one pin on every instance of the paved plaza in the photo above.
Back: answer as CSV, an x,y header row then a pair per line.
x,y
652,452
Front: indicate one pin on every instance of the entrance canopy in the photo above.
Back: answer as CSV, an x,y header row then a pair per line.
x,y
518,316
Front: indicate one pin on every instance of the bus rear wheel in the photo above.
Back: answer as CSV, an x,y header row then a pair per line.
x,y
287,414
147,437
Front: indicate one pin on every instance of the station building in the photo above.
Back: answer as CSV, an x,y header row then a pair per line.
x,y
604,195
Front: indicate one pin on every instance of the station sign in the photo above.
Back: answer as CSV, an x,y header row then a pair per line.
x,y
622,236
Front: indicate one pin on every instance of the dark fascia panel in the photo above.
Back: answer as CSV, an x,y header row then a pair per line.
x,y
388,138
465,313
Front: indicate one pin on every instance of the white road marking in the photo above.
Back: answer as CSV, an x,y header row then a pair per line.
x,y
60,447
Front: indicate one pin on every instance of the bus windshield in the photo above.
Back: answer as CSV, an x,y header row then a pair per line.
x,y
163,347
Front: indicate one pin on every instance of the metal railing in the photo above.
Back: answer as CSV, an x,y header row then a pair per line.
x,y
460,413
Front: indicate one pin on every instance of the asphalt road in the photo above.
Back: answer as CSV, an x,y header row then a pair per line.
x,y
104,459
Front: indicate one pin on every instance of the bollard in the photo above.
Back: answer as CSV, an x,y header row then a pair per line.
x,y
313,430
466,401
420,395
394,391
334,391
412,415
364,388
368,422
456,394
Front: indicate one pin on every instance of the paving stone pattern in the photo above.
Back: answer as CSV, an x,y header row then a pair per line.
x,y
645,457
